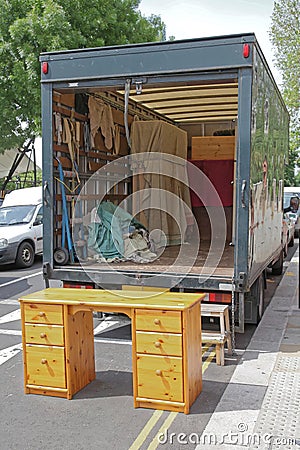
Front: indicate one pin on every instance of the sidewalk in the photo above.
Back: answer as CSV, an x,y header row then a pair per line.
x,y
260,406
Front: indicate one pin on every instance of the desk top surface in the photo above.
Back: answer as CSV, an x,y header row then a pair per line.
x,y
118,298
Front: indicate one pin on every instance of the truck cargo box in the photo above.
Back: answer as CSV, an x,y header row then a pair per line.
x,y
163,166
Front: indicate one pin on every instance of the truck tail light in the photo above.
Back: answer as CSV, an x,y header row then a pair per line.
x,y
246,50
219,297
78,285
45,68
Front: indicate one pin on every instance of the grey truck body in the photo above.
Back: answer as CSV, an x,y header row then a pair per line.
x,y
203,86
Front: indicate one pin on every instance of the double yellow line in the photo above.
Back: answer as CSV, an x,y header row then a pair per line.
x,y
157,414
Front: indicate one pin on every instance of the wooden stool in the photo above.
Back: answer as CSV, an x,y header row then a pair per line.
x,y
218,338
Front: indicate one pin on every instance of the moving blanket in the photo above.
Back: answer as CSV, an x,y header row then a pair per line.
x,y
159,153
115,235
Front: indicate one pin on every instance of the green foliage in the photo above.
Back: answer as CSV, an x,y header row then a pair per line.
x,y
285,37
23,180
30,27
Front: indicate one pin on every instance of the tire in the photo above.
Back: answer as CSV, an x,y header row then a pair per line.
x,y
291,242
277,267
25,255
260,293
61,256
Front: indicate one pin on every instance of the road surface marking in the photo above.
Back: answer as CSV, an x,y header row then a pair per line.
x,y
151,423
21,279
12,332
104,325
112,341
11,317
155,443
9,352
167,423
146,430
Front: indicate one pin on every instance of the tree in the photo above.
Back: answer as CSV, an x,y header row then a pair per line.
x,y
285,37
29,27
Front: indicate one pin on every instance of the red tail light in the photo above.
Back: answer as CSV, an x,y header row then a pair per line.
x,y
246,50
45,68
78,285
220,298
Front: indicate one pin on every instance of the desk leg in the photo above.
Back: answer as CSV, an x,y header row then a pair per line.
x,y
134,370
80,358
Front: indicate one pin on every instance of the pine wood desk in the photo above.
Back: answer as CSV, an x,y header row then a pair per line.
x,y
58,343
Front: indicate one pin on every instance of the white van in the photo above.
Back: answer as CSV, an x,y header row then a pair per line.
x,y
289,192
21,226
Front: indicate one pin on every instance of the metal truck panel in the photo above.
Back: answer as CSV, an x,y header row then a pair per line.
x,y
146,59
269,150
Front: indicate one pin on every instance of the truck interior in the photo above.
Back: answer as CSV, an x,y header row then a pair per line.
x,y
95,131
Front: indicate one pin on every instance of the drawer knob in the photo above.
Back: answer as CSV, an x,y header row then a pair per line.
x,y
43,361
157,344
41,314
43,335
156,321
158,372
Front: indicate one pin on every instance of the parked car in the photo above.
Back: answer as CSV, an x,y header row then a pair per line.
x,y
294,214
288,230
21,229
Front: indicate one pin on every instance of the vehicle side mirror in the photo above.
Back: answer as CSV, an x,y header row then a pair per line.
x,y
38,221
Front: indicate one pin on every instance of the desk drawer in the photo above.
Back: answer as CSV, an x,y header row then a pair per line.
x,y
43,313
158,320
44,334
160,377
45,366
159,343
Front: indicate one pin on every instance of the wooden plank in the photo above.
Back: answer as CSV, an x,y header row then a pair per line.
x,y
160,377
97,154
159,343
134,357
162,321
68,112
94,166
44,334
43,313
64,99
159,404
80,358
63,148
192,355
45,365
65,162
213,147
95,299
22,307
111,197
41,390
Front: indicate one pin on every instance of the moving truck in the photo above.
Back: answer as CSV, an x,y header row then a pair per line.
x,y
163,167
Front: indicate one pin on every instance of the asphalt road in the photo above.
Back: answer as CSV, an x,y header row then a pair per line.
x,y
101,416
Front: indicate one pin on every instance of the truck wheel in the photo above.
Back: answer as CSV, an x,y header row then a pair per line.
x,y
25,255
277,268
292,242
61,256
260,293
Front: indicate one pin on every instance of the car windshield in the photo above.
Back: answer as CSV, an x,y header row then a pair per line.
x,y
287,197
12,215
